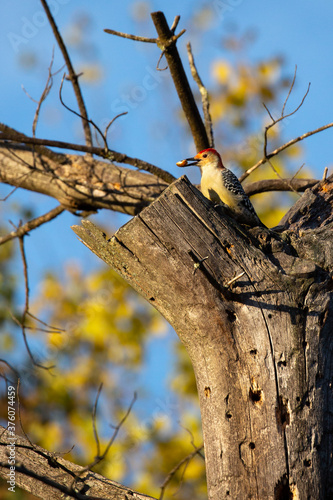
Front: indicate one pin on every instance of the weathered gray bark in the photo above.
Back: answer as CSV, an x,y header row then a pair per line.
x,y
79,182
261,347
50,477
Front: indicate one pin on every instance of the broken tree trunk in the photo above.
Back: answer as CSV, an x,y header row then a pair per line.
x,y
261,345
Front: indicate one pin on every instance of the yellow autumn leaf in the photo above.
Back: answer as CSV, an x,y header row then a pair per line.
x,y
268,70
221,71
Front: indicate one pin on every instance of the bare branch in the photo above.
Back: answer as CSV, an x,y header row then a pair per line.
x,y
80,183
72,75
268,156
81,116
50,328
98,446
290,91
286,181
204,96
10,367
112,121
268,111
266,185
32,224
283,116
131,37
166,42
158,62
171,474
282,148
26,306
117,428
45,93
175,24
9,134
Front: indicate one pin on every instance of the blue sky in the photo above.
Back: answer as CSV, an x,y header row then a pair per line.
x,y
300,30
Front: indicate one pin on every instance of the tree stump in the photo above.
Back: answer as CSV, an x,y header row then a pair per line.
x,y
254,310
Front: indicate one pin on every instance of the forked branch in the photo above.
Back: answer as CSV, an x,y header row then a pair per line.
x,y
283,147
166,41
32,224
267,156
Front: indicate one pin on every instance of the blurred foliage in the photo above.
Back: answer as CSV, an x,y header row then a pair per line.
x,y
102,329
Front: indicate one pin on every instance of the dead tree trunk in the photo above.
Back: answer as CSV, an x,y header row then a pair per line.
x,y
261,346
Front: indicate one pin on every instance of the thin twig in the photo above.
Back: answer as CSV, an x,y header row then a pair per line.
x,y
158,62
26,305
204,96
45,93
131,37
297,172
72,75
282,148
325,173
283,116
172,41
10,366
112,121
32,224
275,121
50,328
185,460
80,116
98,446
291,188
9,194
290,90
175,24
117,428
19,414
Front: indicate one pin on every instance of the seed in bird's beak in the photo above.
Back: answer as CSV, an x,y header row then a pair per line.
x,y
182,163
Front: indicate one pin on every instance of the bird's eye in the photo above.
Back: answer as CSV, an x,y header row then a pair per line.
x,y
204,155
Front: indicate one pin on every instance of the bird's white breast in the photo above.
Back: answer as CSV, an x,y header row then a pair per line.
x,y
212,186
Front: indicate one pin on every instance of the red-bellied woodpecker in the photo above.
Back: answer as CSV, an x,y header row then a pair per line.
x,y
220,185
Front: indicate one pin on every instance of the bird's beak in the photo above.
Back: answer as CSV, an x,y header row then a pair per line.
x,y
193,161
